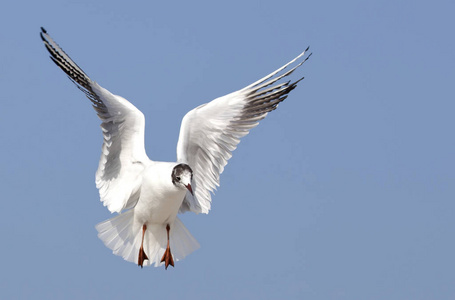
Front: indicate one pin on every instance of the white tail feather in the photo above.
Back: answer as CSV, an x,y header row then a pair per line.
x,y
123,236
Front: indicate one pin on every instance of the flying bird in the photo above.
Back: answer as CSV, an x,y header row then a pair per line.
x,y
147,194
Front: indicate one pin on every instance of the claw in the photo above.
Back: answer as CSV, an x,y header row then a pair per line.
x,y
142,257
167,258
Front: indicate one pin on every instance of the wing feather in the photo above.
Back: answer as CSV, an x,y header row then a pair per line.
x,y
123,156
211,132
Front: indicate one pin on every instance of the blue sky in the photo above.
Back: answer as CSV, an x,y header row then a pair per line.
x,y
345,192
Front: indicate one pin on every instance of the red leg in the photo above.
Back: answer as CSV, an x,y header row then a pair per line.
x,y
142,255
167,256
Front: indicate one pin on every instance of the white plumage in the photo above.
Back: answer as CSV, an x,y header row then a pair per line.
x,y
148,194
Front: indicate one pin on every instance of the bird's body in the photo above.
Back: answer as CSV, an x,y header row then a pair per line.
x,y
147,194
160,200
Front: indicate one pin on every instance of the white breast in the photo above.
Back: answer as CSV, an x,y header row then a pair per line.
x,y
160,199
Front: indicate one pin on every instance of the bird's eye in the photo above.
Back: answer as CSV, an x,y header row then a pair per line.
x,y
178,178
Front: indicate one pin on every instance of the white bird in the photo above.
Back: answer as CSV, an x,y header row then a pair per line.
x,y
148,194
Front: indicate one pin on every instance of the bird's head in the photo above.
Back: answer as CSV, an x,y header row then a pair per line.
x,y
182,175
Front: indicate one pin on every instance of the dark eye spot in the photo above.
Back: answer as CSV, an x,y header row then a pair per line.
x,y
178,178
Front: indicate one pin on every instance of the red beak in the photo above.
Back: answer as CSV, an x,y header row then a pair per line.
x,y
188,187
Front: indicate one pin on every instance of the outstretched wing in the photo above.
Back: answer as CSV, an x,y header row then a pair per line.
x,y
123,156
210,132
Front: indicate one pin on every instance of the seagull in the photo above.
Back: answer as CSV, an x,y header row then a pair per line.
x,y
147,194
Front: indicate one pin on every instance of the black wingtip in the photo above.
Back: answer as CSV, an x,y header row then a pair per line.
x,y
294,84
305,49
308,56
41,34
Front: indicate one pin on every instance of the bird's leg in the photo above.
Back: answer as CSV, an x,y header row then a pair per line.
x,y
142,255
167,256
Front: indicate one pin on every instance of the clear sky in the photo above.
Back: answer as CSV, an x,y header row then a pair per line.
x,y
347,191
